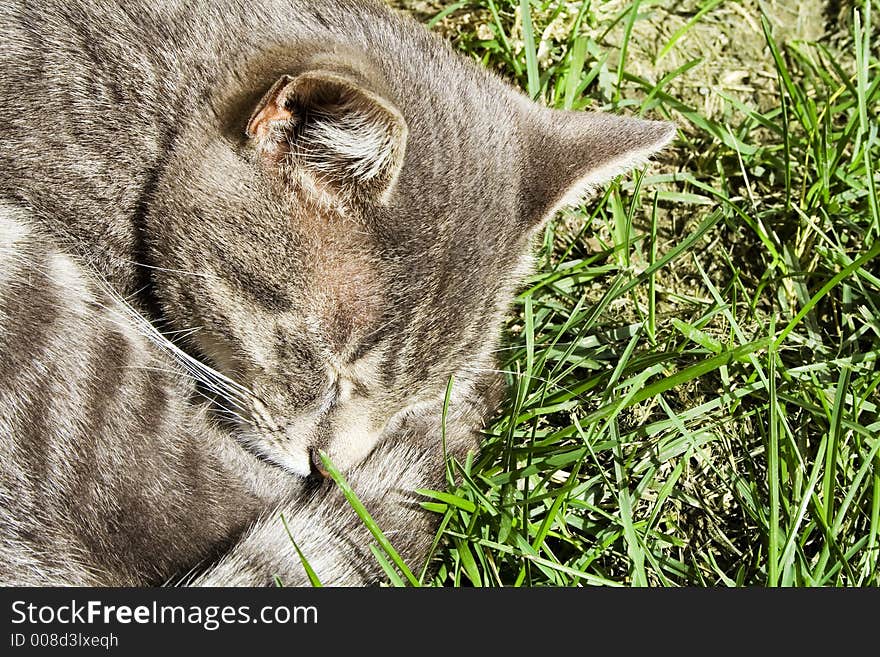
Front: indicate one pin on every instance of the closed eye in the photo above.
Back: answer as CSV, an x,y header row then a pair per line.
x,y
367,344
360,389
361,351
352,379
348,387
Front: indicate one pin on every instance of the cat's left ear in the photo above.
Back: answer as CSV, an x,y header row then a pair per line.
x,y
333,126
571,153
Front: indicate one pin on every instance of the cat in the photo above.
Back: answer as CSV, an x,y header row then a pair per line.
x,y
234,237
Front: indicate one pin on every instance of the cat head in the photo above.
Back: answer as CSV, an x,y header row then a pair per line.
x,y
342,232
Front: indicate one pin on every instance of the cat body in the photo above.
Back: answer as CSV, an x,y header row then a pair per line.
x,y
234,236
116,476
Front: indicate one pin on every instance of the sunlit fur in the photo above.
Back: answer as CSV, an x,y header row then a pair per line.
x,y
289,222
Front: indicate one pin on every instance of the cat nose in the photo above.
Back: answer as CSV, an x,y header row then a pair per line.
x,y
317,464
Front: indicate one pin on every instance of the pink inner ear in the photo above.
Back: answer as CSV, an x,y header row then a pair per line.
x,y
270,111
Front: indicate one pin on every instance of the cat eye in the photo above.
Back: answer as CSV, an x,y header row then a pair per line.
x,y
347,387
360,389
363,348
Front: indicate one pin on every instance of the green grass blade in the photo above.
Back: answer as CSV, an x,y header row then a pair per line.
x,y
773,474
310,572
367,519
831,284
531,53
680,32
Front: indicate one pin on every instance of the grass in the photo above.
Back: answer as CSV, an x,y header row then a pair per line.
x,y
694,391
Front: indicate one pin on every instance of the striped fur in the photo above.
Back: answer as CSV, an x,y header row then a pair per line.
x,y
233,235
114,473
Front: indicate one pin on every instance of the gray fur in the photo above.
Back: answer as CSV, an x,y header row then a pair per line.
x,y
323,210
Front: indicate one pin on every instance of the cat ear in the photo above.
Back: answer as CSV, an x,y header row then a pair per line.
x,y
573,152
329,123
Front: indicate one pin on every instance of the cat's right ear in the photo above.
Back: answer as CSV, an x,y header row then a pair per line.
x,y
332,126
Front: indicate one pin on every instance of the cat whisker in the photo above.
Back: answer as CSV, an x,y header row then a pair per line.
x,y
216,382
151,368
213,400
182,333
261,413
537,344
171,271
380,328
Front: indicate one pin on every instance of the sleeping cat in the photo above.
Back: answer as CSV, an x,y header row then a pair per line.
x,y
234,236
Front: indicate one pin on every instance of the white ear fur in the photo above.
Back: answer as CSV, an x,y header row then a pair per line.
x,y
368,142
334,126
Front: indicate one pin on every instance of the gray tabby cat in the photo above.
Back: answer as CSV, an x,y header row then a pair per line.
x,y
322,209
